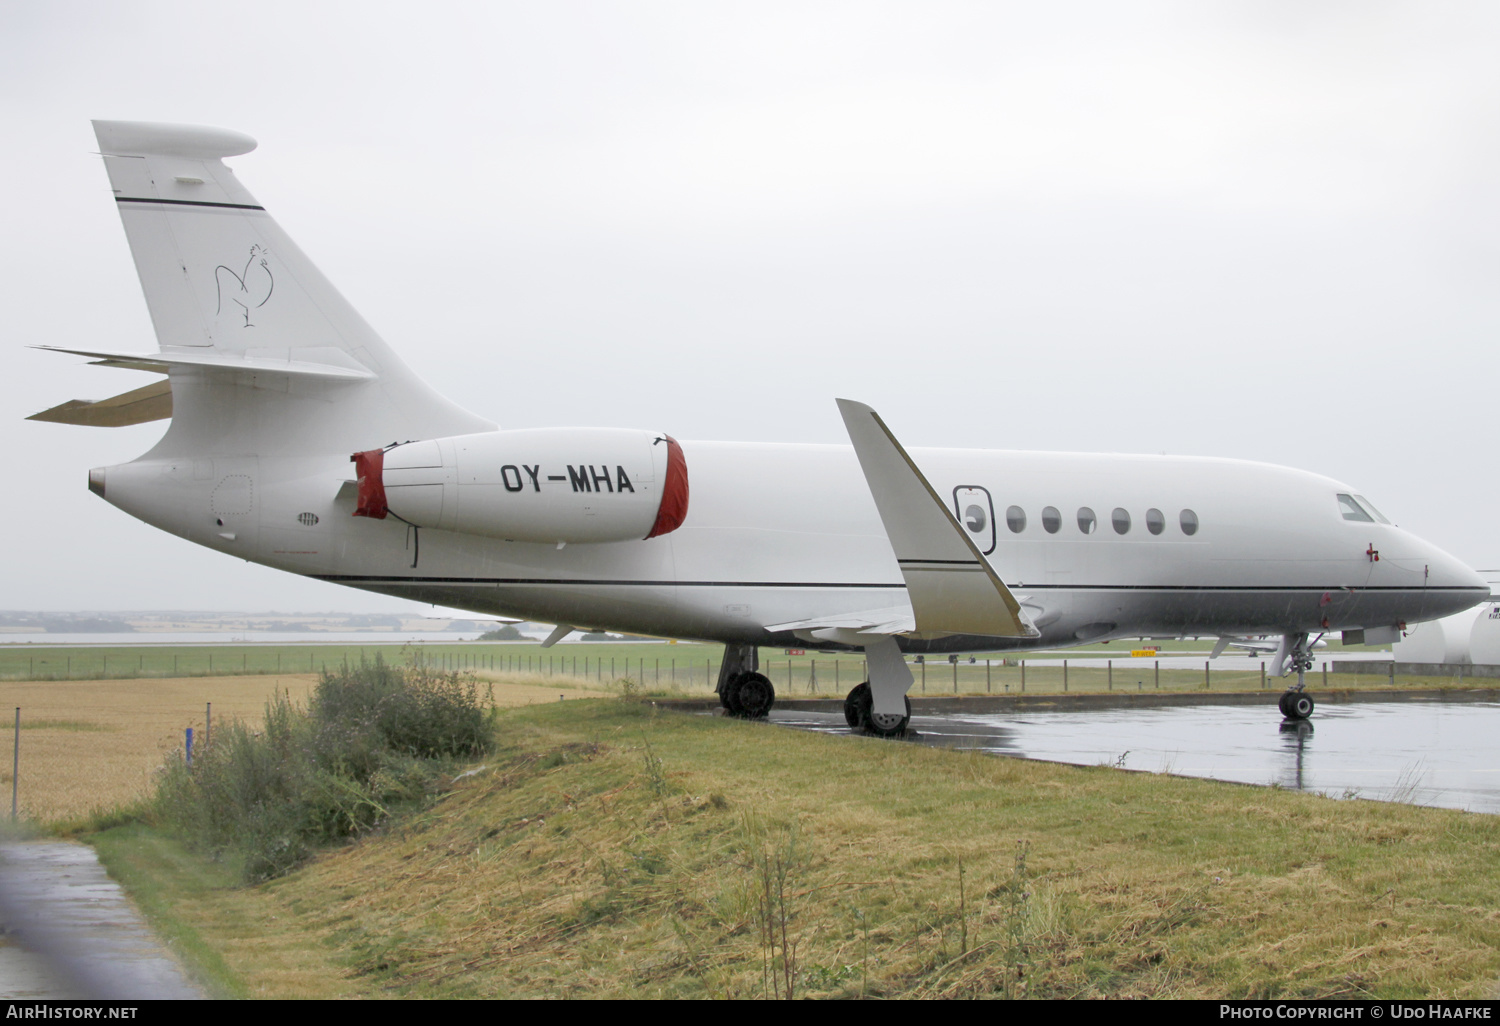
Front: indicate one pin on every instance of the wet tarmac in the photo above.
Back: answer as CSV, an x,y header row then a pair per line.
x,y
70,932
1441,754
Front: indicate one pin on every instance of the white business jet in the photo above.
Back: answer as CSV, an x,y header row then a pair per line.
x,y
301,441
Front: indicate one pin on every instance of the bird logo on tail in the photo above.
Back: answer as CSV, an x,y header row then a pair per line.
x,y
248,289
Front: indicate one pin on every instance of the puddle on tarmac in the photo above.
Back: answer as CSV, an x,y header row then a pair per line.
x,y
1421,753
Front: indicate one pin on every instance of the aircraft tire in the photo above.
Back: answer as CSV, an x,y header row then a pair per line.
x,y
1299,706
729,698
860,693
755,694
1281,704
878,726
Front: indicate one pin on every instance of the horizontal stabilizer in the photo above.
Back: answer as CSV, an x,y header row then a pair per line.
x,y
308,364
138,406
952,587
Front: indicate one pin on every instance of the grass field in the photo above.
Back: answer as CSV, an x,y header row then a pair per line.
x,y
133,703
608,850
91,745
133,721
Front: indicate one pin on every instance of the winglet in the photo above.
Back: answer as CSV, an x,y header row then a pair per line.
x,y
952,587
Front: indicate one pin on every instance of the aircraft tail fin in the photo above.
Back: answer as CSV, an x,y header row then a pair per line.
x,y
231,296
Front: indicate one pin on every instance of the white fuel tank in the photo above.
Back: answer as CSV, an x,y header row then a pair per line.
x,y
1444,641
1484,636
574,485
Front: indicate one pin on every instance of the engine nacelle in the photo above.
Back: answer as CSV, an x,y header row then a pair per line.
x,y
539,485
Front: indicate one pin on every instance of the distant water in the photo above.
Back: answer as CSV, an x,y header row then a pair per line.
x,y
251,638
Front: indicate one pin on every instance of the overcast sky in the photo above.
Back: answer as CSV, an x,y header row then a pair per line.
x,y
1265,230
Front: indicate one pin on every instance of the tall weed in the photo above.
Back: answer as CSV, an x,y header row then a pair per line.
x,y
375,737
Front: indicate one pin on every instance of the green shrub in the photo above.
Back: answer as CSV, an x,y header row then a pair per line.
x,y
414,711
375,738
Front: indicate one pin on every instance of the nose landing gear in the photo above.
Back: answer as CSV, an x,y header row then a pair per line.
x,y
1295,653
1295,705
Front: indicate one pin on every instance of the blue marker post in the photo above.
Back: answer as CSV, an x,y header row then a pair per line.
x,y
15,766
189,748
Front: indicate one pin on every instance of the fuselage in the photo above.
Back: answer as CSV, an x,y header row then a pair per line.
x,y
777,533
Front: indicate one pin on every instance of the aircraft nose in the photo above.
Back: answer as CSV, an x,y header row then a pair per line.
x,y
1451,584
1445,571
1468,578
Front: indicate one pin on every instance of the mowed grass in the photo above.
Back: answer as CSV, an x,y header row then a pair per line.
x,y
89,746
610,849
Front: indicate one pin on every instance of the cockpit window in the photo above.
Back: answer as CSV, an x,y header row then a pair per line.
x,y
1369,508
1353,510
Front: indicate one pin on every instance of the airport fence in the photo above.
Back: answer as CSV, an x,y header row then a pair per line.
x,y
686,668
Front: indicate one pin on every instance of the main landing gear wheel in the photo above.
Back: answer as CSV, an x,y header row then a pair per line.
x,y
1296,705
861,693
754,694
749,695
862,703
729,698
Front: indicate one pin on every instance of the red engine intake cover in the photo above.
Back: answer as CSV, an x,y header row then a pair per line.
x,y
674,494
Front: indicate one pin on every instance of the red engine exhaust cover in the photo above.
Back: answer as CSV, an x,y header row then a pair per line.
x,y
371,499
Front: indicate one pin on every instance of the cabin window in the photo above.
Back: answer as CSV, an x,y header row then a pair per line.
x,y
1051,519
1369,508
1015,519
1086,520
1189,522
1120,518
1155,522
1352,510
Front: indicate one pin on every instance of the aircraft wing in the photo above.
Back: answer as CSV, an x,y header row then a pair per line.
x,y
952,587
1265,646
889,620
